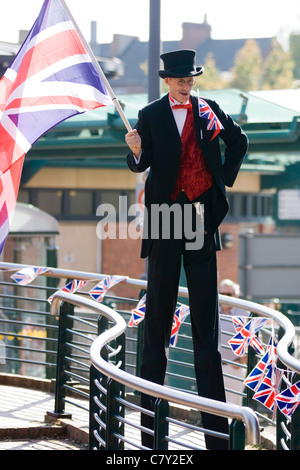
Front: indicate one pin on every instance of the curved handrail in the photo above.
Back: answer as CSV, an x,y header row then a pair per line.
x,y
227,410
289,330
283,344
234,411
282,320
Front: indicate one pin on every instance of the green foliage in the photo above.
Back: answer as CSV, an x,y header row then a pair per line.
x,y
247,69
211,79
278,69
251,71
294,43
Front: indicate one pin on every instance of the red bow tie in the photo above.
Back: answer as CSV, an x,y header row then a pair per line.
x,y
182,106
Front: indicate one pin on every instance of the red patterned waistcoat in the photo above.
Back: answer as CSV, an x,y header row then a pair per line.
x,y
194,176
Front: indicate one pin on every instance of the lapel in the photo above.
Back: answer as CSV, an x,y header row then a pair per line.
x,y
168,118
200,124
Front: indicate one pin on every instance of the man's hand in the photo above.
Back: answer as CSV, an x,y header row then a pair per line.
x,y
134,142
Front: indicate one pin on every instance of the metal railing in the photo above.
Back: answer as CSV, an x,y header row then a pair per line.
x,y
74,338
115,377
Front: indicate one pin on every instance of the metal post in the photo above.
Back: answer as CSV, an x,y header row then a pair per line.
x,y
51,282
251,363
295,429
154,51
237,435
93,410
140,344
161,425
102,395
114,426
63,351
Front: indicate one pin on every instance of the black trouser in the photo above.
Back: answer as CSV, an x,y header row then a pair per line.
x,y
164,266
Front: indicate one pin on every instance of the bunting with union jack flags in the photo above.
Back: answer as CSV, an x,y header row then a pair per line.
x,y
256,376
269,387
26,275
52,78
289,399
246,336
72,287
213,122
181,312
138,313
98,292
180,315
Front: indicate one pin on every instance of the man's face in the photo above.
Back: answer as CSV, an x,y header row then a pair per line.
x,y
227,290
180,88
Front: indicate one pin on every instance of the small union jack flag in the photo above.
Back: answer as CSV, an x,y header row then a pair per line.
x,y
98,292
52,78
239,322
138,314
180,315
269,387
246,336
27,275
214,123
70,287
255,377
289,399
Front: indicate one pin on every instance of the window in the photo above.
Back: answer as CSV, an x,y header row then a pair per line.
x,y
50,201
77,204
80,203
251,206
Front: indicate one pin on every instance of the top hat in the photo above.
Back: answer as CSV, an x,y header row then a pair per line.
x,y
179,64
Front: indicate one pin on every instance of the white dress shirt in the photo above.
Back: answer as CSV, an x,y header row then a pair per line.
x,y
179,116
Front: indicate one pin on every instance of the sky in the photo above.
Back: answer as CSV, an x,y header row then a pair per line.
x,y
229,19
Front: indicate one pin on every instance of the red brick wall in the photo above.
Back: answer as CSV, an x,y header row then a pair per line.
x,y
123,256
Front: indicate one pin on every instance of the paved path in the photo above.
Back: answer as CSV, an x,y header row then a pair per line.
x,y
23,426
22,422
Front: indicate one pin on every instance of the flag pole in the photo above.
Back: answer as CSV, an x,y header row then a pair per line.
x,y
101,73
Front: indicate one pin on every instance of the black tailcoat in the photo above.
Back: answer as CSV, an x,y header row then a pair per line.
x,y
161,150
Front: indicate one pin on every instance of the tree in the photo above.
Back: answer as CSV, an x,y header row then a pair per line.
x,y
278,69
294,44
246,72
211,79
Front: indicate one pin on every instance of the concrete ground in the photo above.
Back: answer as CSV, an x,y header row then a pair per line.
x,y
25,423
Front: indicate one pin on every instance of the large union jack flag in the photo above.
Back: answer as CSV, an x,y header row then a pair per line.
x,y
52,78
214,123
